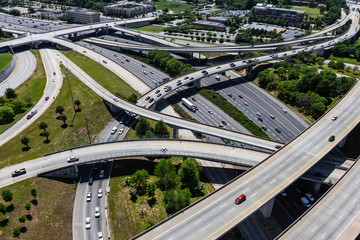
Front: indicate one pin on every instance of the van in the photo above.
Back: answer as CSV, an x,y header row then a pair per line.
x,y
33,112
305,202
217,78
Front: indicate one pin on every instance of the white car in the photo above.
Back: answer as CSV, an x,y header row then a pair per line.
x,y
100,235
97,212
88,197
121,131
100,193
334,118
101,174
309,196
87,223
284,110
114,130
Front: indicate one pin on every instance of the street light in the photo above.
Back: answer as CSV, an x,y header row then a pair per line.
x,y
164,150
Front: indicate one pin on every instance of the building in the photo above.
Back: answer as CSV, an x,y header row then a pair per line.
x,y
294,16
217,19
214,25
129,9
83,16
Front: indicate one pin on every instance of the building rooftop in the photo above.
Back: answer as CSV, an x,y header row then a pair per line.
x,y
264,6
80,10
215,24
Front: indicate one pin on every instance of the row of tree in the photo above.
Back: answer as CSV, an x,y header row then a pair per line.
x,y
165,61
346,49
181,184
10,105
247,35
144,130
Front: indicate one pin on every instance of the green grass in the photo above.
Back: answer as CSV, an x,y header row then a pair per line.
x,y
102,75
177,7
51,217
234,112
31,90
312,12
151,28
213,55
183,113
349,60
132,133
60,138
128,218
5,59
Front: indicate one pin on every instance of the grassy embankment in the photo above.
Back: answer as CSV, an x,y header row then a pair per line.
x,y
5,59
151,28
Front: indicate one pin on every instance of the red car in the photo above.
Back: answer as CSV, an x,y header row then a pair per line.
x,y
194,99
263,127
240,96
240,199
127,60
54,73
29,116
232,64
47,98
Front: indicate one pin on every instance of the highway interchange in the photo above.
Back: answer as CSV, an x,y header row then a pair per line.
x,y
110,99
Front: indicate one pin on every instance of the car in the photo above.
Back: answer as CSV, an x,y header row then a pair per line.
x,y
310,197
179,83
88,197
240,199
305,202
104,61
218,67
145,72
283,193
278,130
186,78
151,100
203,71
159,95
101,174
331,138
194,99
192,78
272,116
97,212
87,223
284,110
151,72
178,90
258,114
334,118
29,116
143,65
54,73
100,193
91,181
121,131
246,104
127,60
157,91
223,122
18,172
47,98
72,159
232,97
115,99
232,64
217,78
277,146
113,130
206,73
241,96
147,98
211,112
100,236
264,127
260,119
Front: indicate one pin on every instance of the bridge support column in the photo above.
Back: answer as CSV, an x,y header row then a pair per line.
x,y
197,84
35,45
317,187
75,36
320,52
138,38
11,50
248,70
175,132
267,208
123,34
342,142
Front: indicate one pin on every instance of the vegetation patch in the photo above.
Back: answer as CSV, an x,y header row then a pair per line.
x,y
5,59
311,12
151,28
138,201
64,128
176,7
145,128
183,113
42,213
102,75
232,111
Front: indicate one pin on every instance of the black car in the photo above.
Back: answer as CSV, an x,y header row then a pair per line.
x,y
260,119
151,100
332,138
223,122
91,181
278,130
147,98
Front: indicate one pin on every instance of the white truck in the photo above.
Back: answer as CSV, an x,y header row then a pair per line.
x,y
188,104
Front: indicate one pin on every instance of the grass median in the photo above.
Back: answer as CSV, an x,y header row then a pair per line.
x,y
151,28
233,111
61,136
102,75
51,213
5,59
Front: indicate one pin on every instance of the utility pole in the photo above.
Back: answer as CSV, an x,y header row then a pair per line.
x,y
72,99
164,150
87,127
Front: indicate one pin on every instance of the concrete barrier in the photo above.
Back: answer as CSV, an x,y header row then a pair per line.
x,y
8,70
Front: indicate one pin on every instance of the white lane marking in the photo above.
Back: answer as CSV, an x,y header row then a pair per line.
x,y
340,217
267,176
223,205
331,211
323,235
290,168
204,228
253,195
358,181
198,221
246,190
346,195
272,181
354,200
171,238
314,229
231,210
282,164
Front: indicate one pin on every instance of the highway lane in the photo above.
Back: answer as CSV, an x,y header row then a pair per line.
x,y
106,95
25,66
324,220
51,90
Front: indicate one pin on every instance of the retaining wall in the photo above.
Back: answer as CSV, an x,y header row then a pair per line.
x,y
8,70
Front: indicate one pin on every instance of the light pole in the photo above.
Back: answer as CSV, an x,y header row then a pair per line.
x,y
164,150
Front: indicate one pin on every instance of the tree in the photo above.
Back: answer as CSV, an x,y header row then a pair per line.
x,y
133,98
33,192
63,118
6,114
318,109
16,232
45,134
18,105
161,130
27,207
142,126
59,109
22,219
189,174
77,103
150,190
43,125
172,178
139,179
25,141
10,93
176,199
7,195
